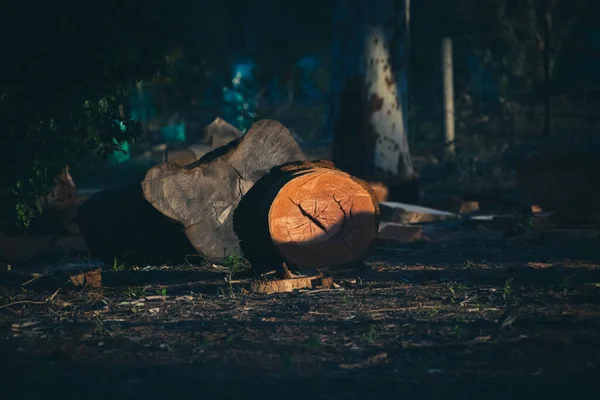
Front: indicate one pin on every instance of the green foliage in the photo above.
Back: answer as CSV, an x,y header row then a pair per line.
x,y
118,265
507,290
134,292
61,84
510,37
234,264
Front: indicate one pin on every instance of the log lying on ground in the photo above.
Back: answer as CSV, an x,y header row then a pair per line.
x,y
119,223
216,134
186,155
203,195
308,215
219,132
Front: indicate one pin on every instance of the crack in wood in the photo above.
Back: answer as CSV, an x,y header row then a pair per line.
x,y
241,178
310,217
339,203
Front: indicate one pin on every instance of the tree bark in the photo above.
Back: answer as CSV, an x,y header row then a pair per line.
x,y
203,195
307,215
369,116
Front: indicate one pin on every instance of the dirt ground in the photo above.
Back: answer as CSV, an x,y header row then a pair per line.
x,y
418,320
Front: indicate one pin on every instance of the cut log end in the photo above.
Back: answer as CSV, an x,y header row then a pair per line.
x,y
321,218
309,215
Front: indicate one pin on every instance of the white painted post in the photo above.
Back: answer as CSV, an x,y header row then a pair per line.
x,y
447,70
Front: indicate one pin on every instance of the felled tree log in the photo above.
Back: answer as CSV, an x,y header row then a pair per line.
x,y
203,195
219,132
308,215
216,134
119,223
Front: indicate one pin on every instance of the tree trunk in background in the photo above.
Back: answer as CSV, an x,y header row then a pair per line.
x,y
369,90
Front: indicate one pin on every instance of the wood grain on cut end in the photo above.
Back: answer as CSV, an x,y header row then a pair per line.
x,y
289,285
308,214
321,218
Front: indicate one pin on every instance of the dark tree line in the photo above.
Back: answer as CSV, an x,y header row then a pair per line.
x,y
65,70
68,66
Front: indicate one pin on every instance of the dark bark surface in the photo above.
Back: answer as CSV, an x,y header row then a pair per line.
x,y
202,196
120,223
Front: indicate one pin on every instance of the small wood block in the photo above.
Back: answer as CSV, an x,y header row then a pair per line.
x,y
283,285
219,132
91,278
469,207
381,191
536,209
323,283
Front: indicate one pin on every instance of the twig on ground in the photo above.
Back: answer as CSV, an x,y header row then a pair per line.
x,y
35,278
22,302
318,291
382,310
48,300
51,298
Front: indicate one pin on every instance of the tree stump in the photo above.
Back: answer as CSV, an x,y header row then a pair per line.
x,y
203,195
308,215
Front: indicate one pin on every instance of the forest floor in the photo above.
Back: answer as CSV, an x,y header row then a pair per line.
x,y
416,320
